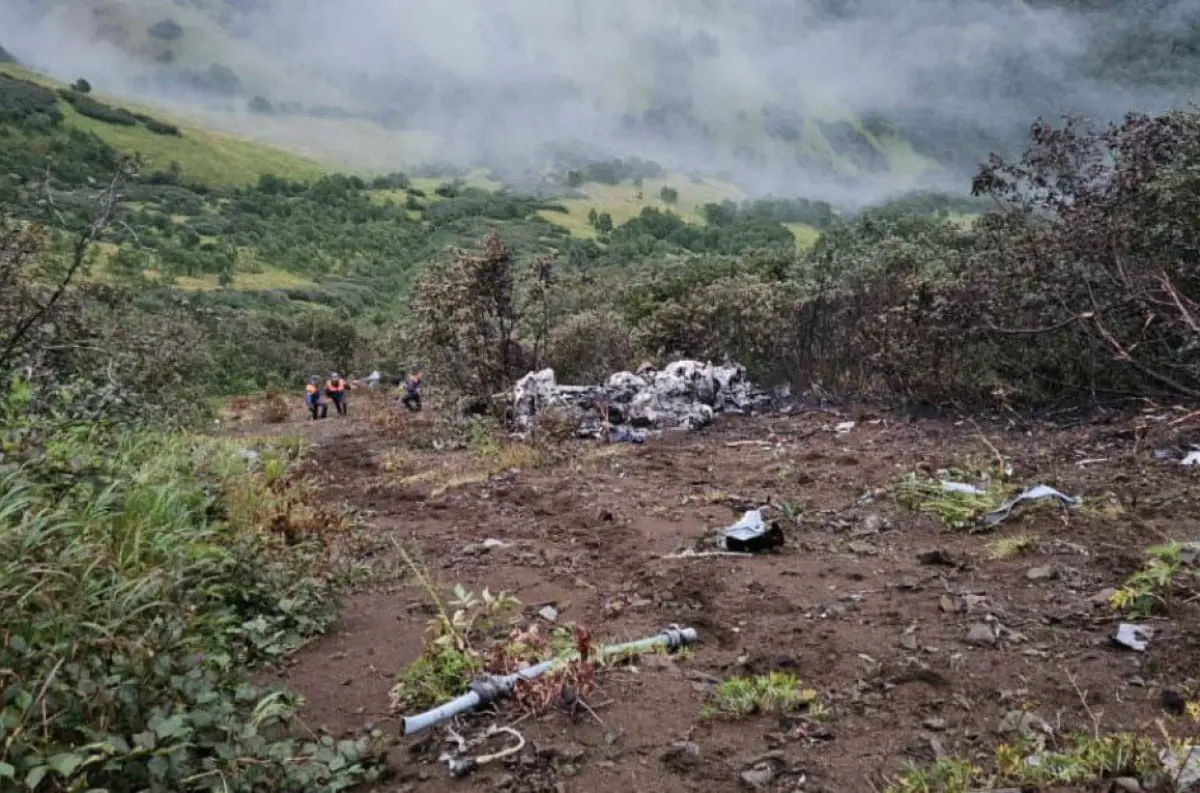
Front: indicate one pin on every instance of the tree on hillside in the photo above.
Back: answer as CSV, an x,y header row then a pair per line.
x,y
604,222
482,318
1105,223
593,218
669,195
81,86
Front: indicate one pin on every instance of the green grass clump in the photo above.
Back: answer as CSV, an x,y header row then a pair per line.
x,y
1029,764
947,775
137,591
955,510
1145,592
739,697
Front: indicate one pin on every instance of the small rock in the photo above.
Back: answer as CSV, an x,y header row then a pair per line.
x,y
863,548
936,556
871,524
974,602
681,756
1127,784
935,724
1103,597
1183,770
492,542
473,549
1173,702
548,613
948,604
981,635
908,640
504,782
1023,721
1046,573
759,777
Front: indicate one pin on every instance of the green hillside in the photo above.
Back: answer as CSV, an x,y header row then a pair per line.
x,y
208,156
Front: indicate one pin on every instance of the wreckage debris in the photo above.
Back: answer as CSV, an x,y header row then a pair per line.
x,y
682,395
752,534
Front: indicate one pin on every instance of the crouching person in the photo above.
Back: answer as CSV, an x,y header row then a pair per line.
x,y
312,400
412,391
335,388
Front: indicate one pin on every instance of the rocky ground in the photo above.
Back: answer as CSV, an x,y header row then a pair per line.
x,y
919,641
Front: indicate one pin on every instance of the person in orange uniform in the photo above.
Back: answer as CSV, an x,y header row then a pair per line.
x,y
312,399
335,389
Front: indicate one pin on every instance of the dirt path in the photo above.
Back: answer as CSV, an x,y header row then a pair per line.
x,y
854,605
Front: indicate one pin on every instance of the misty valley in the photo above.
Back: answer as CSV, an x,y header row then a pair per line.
x,y
778,396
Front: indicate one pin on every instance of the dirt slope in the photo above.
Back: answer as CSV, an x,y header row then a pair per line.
x,y
832,607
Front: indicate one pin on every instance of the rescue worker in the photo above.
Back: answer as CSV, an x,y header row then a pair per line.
x,y
312,399
412,391
335,389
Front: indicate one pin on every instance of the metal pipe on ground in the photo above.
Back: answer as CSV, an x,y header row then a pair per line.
x,y
489,689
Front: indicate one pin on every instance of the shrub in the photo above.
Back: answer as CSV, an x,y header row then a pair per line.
x,y
738,318
482,320
275,408
161,128
589,346
133,594
92,108
20,99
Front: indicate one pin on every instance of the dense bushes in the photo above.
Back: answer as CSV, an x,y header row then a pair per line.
x,y
588,346
22,99
93,108
96,109
137,587
1082,286
654,231
615,171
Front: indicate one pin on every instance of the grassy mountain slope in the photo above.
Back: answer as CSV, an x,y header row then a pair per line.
x,y
206,155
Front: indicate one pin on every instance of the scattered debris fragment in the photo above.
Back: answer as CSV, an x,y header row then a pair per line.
x,y
548,613
1032,494
460,763
1183,767
626,435
962,487
752,534
683,395
844,427
1135,637
681,755
494,687
1023,721
759,777
1044,573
